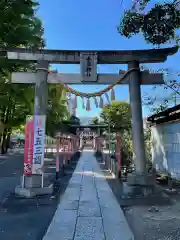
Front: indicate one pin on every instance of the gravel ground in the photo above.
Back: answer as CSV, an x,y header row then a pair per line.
x,y
157,223
150,222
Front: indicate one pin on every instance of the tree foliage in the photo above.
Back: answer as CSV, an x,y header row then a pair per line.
x,y
74,120
67,125
57,108
148,144
170,92
158,24
118,115
126,148
20,27
95,121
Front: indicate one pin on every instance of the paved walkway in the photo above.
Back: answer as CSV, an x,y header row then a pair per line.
x,y
88,209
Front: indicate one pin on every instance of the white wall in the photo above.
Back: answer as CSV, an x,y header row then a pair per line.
x,y
166,148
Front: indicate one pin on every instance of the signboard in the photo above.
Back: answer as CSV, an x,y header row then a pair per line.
x,y
28,148
38,150
118,150
88,64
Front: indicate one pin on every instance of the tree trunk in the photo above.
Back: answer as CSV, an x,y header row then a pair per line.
x,y
7,115
8,138
3,144
5,141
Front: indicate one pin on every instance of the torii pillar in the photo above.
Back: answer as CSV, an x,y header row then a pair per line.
x,y
139,177
33,184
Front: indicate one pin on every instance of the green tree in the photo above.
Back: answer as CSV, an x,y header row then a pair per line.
x,y
158,24
17,102
19,27
57,108
170,92
148,146
67,125
94,121
118,115
74,120
126,148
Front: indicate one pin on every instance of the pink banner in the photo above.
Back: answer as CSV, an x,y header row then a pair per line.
x,y
118,150
69,150
28,149
39,137
57,154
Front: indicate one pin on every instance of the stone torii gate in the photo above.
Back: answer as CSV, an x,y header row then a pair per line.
x,y
86,133
88,61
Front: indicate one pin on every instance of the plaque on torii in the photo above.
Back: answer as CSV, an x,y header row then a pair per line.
x,y
88,66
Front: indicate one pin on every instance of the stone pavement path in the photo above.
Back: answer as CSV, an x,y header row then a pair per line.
x,y
88,209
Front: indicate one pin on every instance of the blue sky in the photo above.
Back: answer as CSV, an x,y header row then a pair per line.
x,y
92,25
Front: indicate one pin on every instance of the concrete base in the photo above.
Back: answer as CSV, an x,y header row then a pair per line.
x,y
171,191
138,179
32,192
136,195
137,191
32,181
140,184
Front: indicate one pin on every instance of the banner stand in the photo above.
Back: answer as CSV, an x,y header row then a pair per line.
x,y
32,181
23,181
42,180
57,157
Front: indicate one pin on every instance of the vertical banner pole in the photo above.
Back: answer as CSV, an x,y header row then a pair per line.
x,y
57,157
60,152
64,154
23,181
69,150
73,150
42,180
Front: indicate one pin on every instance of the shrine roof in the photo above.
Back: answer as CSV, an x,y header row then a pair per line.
x,y
89,126
103,56
169,115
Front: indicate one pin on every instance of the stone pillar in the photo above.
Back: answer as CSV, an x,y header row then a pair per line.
x,y
140,174
32,184
94,142
40,104
41,89
137,121
80,142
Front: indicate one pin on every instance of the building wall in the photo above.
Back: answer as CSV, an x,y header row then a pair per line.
x,y
166,148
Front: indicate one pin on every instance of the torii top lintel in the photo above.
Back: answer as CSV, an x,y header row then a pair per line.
x,y
103,57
